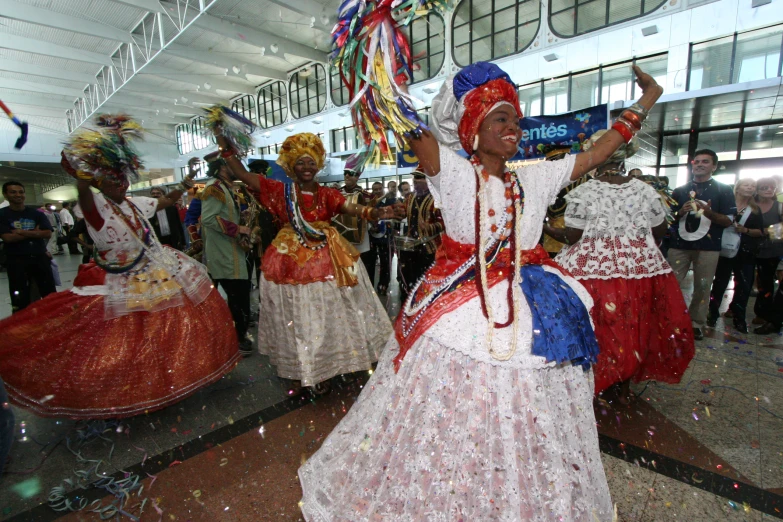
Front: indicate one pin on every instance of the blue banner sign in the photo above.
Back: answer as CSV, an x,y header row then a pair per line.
x,y
406,157
539,133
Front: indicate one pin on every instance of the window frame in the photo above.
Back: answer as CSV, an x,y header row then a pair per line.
x,y
317,67
735,38
336,135
248,112
569,77
282,112
607,16
491,35
199,131
335,80
409,33
188,140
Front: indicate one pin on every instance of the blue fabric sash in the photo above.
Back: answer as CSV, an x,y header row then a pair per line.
x,y
561,323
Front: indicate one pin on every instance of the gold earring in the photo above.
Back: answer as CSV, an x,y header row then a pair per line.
x,y
475,143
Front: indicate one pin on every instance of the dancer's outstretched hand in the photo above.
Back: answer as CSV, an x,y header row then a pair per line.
x,y
644,80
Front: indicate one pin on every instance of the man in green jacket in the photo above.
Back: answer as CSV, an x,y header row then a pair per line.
x,y
225,259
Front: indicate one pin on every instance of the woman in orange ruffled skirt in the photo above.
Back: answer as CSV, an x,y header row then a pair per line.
x,y
318,316
142,328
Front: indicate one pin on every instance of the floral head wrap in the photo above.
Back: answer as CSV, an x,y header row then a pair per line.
x,y
297,146
465,100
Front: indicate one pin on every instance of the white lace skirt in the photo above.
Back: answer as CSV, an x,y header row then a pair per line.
x,y
449,438
315,331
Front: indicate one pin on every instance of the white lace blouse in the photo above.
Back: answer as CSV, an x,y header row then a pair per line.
x,y
454,193
617,221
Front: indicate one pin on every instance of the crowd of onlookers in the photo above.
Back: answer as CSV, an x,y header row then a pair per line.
x,y
722,232
708,216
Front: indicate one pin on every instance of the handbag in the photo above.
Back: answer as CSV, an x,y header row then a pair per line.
x,y
730,242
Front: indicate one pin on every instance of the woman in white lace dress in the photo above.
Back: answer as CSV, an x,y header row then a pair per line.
x,y
613,224
476,411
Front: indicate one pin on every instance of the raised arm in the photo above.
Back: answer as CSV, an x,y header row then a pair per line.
x,y
237,169
609,142
172,197
427,150
86,199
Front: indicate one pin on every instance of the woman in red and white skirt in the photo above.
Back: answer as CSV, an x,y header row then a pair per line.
x,y
613,225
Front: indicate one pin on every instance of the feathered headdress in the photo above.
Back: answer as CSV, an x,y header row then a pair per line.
x,y
108,150
373,57
233,126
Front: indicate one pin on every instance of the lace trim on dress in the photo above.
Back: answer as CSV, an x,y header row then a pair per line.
x,y
617,240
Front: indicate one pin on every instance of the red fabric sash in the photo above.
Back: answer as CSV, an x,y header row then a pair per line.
x,y
450,256
90,274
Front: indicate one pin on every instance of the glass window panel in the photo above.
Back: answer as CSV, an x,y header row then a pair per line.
x,y
462,53
339,91
505,19
559,5
762,142
757,55
428,39
272,105
246,106
201,135
620,10
530,99
724,142
584,90
616,83
675,149
307,89
491,29
482,50
556,96
184,139
655,66
592,15
712,60
563,23
505,42
677,176
503,4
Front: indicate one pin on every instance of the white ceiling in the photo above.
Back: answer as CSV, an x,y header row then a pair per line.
x,y
52,50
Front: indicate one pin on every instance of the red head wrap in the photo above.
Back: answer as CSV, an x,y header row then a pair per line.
x,y
479,102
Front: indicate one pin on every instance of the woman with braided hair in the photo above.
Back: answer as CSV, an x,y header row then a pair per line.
x,y
481,405
142,328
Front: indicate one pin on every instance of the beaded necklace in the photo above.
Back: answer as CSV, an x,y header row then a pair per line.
x,y
304,231
514,207
134,227
314,205
487,252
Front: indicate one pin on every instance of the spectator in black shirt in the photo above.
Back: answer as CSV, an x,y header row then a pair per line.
x,y
704,208
25,232
166,222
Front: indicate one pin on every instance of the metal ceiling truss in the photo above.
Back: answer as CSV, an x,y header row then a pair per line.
x,y
156,31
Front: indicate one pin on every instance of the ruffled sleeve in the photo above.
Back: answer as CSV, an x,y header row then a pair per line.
x,y
576,208
334,201
272,197
656,211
